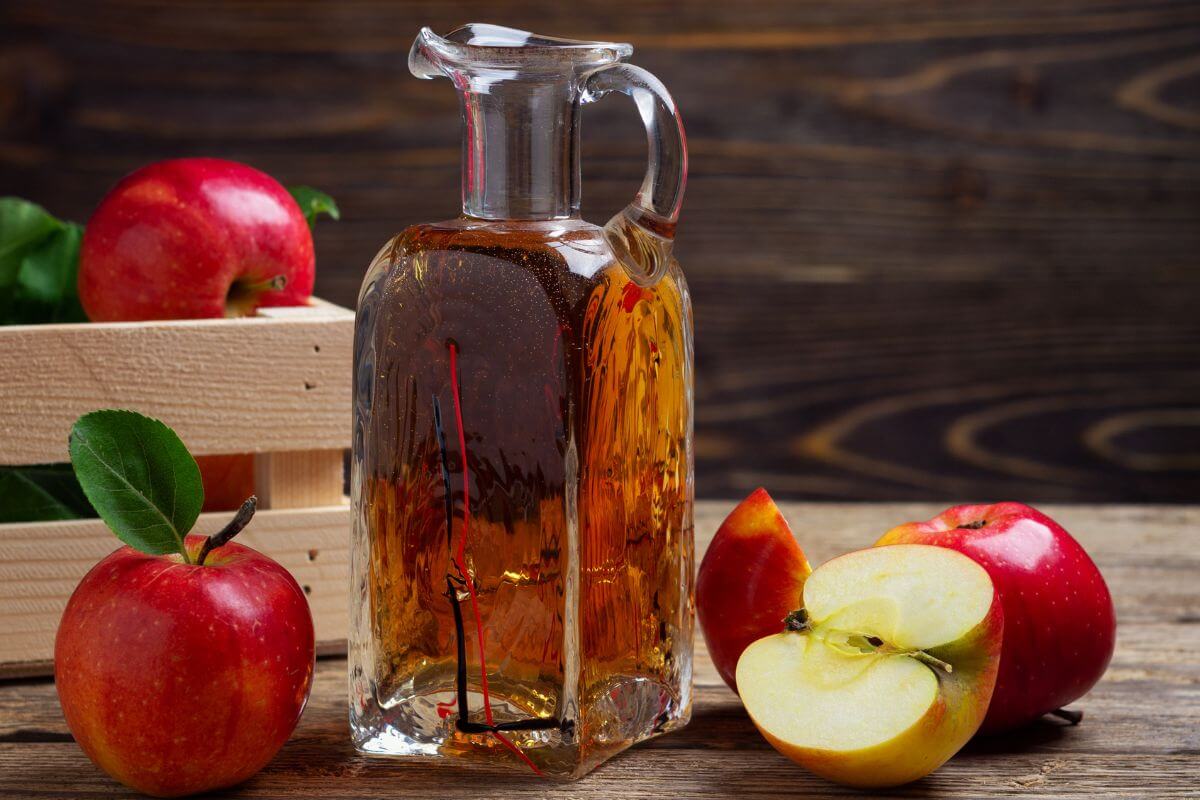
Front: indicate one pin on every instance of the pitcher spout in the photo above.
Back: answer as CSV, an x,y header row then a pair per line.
x,y
479,47
519,94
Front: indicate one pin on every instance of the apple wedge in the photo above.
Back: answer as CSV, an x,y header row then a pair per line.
x,y
750,579
885,672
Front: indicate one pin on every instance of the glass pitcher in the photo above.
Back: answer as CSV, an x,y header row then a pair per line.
x,y
522,468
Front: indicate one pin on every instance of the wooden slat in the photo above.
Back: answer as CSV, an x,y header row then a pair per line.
x,y
41,563
258,384
299,479
1139,737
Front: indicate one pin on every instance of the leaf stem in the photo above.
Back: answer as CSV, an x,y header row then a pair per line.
x,y
240,520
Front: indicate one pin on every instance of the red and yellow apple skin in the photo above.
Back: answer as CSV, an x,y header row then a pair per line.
x,y
751,577
194,238
177,679
1060,627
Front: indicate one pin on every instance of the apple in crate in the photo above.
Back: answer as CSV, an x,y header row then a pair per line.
x,y
193,238
182,663
1060,627
196,238
749,580
887,669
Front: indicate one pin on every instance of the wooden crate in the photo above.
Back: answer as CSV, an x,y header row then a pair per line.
x,y
276,385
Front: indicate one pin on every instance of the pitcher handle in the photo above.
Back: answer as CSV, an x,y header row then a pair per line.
x,y
643,232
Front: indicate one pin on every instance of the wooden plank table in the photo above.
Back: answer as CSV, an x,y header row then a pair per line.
x,y
1140,737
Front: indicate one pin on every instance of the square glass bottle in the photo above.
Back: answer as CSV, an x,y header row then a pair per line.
x,y
522,557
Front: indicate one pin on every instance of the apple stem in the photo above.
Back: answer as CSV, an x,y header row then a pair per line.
x,y
275,284
1072,717
922,656
240,520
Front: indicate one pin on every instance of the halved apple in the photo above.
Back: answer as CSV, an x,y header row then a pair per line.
x,y
750,579
885,672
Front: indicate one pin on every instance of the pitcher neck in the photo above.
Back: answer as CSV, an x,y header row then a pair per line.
x,y
520,147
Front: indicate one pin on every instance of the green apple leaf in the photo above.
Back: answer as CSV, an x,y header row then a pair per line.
x,y
23,226
47,284
313,203
39,265
140,478
41,493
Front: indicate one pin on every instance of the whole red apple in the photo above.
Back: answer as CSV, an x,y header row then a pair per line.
x,y
182,678
751,578
1059,628
194,238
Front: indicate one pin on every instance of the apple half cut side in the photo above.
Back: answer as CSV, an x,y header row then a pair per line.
x,y
885,672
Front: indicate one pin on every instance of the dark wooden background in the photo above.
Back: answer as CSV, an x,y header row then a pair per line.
x,y
937,249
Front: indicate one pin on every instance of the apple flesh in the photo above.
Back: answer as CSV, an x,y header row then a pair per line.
x,y
750,579
194,238
1060,627
177,678
886,671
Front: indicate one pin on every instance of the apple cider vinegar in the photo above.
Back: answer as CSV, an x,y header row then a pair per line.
x,y
565,545
522,471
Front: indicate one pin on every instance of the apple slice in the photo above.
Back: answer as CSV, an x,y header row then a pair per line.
x,y
886,671
750,579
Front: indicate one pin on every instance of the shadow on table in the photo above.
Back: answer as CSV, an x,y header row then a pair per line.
x,y
1036,734
727,727
320,759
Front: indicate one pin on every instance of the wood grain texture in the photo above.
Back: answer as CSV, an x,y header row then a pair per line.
x,y
257,384
1139,738
944,248
299,478
41,563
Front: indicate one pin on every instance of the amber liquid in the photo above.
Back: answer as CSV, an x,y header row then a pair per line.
x,y
526,370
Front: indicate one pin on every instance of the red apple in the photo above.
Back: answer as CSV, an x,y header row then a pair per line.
x,y
180,678
194,238
1059,627
751,578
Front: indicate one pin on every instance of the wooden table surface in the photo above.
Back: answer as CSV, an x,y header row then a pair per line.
x,y
1140,736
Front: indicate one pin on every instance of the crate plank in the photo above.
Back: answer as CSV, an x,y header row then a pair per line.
x,y
298,479
258,384
41,563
